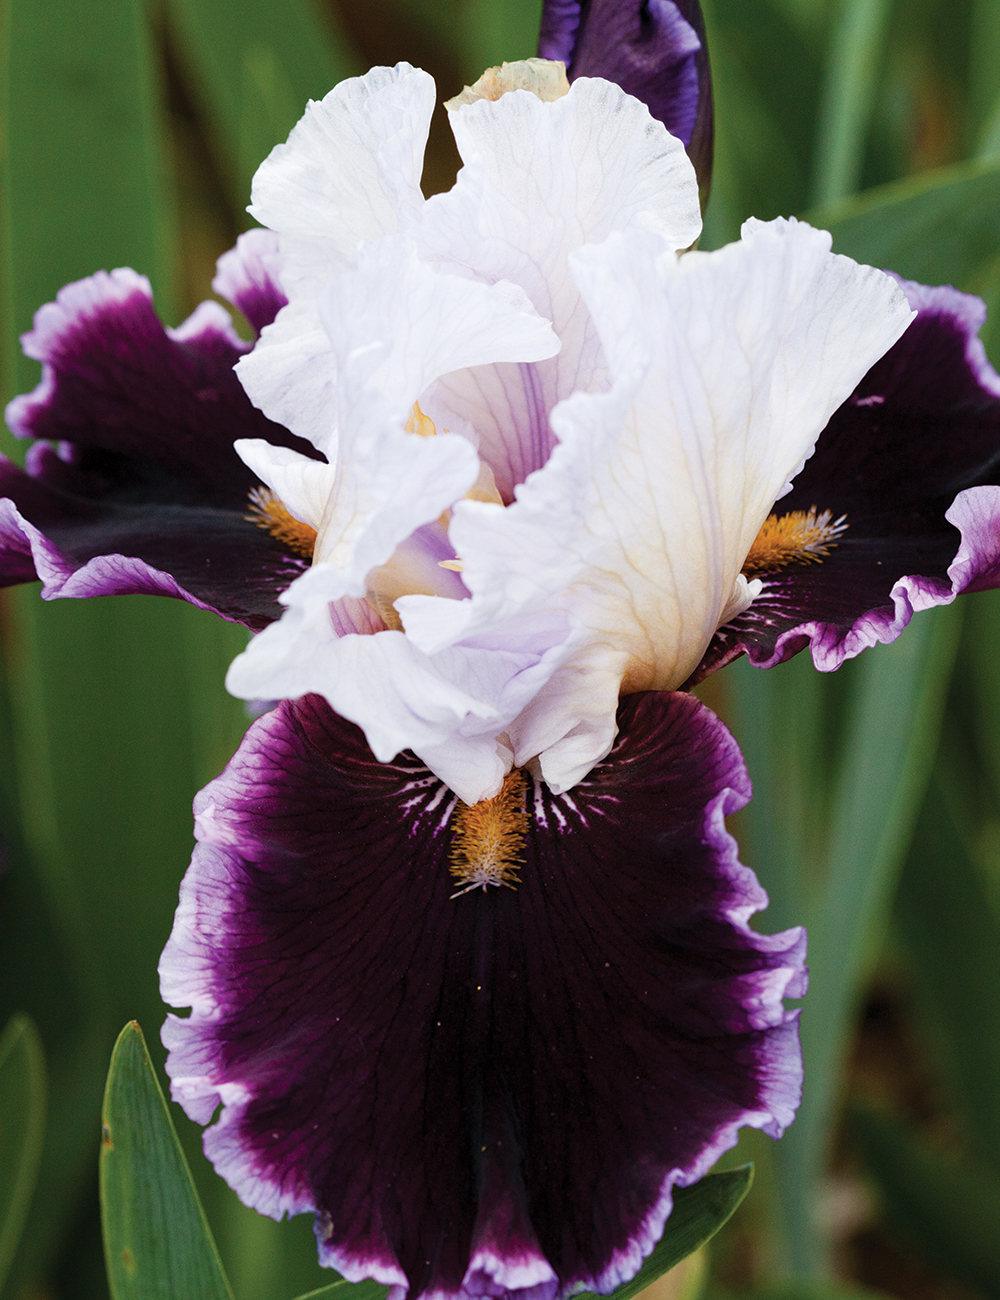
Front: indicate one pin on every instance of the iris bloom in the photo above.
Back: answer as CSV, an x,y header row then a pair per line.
x,y
468,952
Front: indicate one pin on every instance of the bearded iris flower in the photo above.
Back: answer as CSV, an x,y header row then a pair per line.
x,y
465,939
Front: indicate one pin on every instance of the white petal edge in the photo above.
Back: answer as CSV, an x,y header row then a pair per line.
x,y
541,179
727,366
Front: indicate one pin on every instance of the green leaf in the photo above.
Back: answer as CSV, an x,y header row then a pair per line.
x,y
254,64
765,80
348,1291
22,1128
157,1242
951,931
83,176
813,1288
938,228
698,1214
849,96
81,189
890,737
949,1211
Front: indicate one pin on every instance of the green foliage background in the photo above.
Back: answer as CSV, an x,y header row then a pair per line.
x,y
130,131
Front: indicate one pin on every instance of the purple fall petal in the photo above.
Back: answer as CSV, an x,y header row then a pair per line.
x,y
132,484
654,49
493,1092
912,460
247,276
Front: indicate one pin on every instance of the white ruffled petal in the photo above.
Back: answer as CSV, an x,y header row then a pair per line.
x,y
727,366
450,709
406,322
541,179
349,171
291,375
396,325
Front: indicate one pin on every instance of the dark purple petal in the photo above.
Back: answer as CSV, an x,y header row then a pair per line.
x,y
912,460
248,277
132,476
493,1092
654,49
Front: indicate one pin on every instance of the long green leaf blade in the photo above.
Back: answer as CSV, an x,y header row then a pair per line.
x,y
849,96
83,177
938,228
949,1210
81,189
891,736
255,63
157,1242
951,932
348,1291
22,1128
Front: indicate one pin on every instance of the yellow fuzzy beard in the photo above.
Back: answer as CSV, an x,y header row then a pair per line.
x,y
269,512
800,537
488,846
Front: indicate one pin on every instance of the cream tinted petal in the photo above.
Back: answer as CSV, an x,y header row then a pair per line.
x,y
539,181
726,366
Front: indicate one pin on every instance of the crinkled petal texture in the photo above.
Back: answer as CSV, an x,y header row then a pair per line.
x,y
474,310
133,484
490,1093
538,181
621,556
654,49
349,171
912,460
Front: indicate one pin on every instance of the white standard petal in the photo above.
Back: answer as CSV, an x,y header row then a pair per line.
x,y
414,322
350,171
396,325
726,368
541,179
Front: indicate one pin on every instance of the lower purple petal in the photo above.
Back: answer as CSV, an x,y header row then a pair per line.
x,y
131,482
493,1092
248,276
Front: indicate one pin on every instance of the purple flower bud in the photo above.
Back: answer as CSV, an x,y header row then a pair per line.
x,y
653,49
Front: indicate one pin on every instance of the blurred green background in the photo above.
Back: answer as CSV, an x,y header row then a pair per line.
x,y
129,134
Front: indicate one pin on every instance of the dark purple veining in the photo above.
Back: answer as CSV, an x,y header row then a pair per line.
x,y
491,1090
